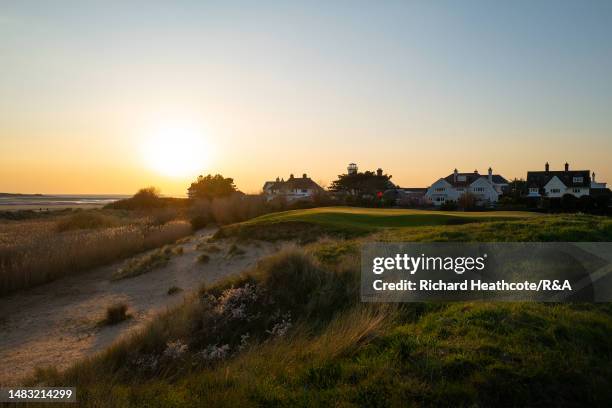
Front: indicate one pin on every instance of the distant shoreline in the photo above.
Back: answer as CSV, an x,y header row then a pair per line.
x,y
63,195
40,202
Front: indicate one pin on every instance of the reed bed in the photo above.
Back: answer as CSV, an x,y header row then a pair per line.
x,y
35,252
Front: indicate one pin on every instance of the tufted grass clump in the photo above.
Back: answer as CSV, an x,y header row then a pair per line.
x,y
116,313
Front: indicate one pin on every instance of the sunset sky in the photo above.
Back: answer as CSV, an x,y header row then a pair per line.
x,y
110,96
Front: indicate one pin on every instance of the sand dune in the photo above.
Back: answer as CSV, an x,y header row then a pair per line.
x,y
57,323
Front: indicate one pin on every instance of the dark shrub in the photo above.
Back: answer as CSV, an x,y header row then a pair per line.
x,y
198,222
569,202
116,314
449,206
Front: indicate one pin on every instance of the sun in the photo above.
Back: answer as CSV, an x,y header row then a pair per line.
x,y
176,151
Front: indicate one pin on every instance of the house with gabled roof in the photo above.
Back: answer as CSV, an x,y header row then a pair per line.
x,y
557,183
486,189
293,189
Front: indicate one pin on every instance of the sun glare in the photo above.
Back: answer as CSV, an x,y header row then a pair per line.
x,y
176,151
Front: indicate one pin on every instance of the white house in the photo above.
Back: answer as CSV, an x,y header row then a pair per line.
x,y
294,189
555,184
487,189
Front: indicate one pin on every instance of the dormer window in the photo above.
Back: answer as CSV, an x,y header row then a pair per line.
x,y
533,189
439,189
460,178
578,179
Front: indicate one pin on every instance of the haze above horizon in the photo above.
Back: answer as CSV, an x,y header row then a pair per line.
x,y
107,97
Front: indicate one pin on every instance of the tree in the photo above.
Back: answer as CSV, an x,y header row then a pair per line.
x,y
210,187
517,189
360,184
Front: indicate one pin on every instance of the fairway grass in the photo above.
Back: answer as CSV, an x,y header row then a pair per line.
x,y
348,222
386,217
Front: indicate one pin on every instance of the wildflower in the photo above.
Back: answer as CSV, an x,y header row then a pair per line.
x,y
175,349
281,328
244,341
214,352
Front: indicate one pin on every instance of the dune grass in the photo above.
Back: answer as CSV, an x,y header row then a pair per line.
x,y
33,252
145,263
87,220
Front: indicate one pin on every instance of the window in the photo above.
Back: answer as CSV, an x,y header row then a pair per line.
x,y
304,191
578,179
460,178
555,190
479,189
440,189
440,199
533,189
577,190
460,189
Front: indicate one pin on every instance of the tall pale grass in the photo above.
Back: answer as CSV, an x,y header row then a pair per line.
x,y
35,252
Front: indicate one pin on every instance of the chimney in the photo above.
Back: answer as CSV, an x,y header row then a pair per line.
x,y
291,176
277,179
455,175
475,171
566,166
593,177
546,167
379,172
490,175
304,175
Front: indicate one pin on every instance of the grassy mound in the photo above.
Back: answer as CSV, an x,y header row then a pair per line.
x,y
426,226
347,222
559,228
292,332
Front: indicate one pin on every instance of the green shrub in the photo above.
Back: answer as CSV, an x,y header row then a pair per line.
x,y
174,290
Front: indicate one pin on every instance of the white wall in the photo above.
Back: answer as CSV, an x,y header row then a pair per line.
x,y
484,190
438,198
555,188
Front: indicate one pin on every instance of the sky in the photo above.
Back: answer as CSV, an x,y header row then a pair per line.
x,y
110,96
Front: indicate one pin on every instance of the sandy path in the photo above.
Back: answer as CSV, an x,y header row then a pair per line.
x,y
56,324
